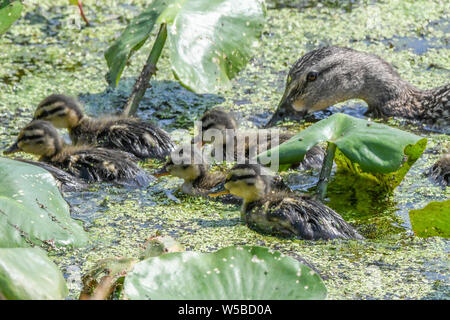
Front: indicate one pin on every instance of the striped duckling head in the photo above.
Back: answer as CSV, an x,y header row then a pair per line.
x,y
186,162
62,111
38,138
250,182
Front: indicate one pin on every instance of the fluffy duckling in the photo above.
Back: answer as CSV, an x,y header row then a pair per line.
x,y
188,163
329,75
88,163
281,212
142,139
440,171
217,120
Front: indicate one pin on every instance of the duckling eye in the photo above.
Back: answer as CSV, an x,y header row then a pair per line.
x,y
311,76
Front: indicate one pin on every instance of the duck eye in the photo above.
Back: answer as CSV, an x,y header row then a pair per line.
x,y
312,76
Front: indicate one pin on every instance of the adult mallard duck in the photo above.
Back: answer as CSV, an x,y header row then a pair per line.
x,y
282,212
85,162
221,128
330,75
142,139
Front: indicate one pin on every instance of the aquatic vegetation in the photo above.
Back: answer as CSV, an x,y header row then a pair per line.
x,y
237,273
362,147
433,220
9,12
33,211
28,274
209,42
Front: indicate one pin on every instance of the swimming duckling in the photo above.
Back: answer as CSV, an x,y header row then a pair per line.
x,y
281,212
143,139
217,120
88,163
188,163
440,171
329,75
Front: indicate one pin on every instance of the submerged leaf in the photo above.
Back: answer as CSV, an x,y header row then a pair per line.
x,y
27,273
236,273
433,220
371,149
10,11
32,210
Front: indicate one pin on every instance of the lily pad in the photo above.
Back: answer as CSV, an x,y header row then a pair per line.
x,y
244,272
32,210
10,11
373,150
432,220
210,41
27,273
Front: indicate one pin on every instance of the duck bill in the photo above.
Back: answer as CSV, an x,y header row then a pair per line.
x,y
12,149
285,111
161,173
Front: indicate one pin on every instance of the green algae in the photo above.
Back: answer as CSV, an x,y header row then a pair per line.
x,y
50,50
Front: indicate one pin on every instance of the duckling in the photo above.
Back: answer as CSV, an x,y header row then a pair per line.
x,y
219,120
329,75
188,163
193,167
88,163
440,171
281,212
142,139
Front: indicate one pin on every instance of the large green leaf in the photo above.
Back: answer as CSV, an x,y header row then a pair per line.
x,y
9,12
371,149
433,220
230,273
132,38
32,210
27,273
210,41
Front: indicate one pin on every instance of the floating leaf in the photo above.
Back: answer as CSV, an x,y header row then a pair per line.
x,y
373,150
10,11
32,211
236,273
432,220
27,273
210,41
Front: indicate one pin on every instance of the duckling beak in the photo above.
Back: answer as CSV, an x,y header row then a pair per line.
x,y
12,149
162,172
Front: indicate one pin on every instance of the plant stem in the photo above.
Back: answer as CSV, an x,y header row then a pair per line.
x,y
326,171
143,81
80,6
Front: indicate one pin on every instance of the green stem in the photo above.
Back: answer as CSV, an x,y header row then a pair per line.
x,y
143,81
326,171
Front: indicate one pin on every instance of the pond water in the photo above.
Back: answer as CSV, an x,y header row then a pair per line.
x,y
50,50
